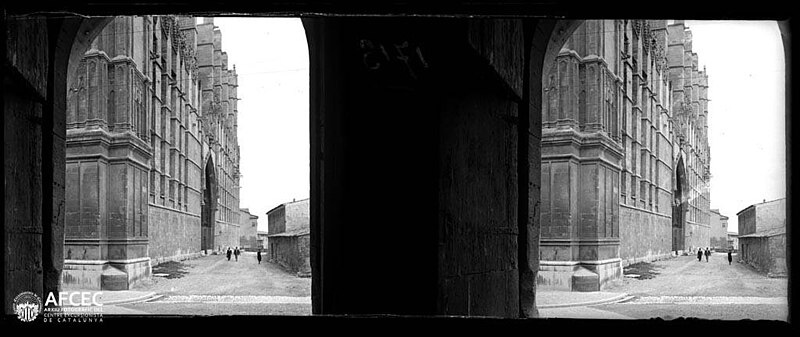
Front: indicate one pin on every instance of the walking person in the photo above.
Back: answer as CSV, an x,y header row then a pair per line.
x,y
699,254
236,254
708,253
228,253
258,256
730,258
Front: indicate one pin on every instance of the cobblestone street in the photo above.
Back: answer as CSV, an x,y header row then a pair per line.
x,y
685,276
684,287
212,285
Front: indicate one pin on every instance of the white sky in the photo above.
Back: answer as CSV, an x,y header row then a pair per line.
x,y
271,58
744,61
746,123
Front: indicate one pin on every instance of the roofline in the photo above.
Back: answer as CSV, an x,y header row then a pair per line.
x,y
276,207
746,208
287,203
761,235
295,201
761,203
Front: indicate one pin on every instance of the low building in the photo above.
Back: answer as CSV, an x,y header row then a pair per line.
x,y
248,239
262,241
719,231
289,236
762,237
733,241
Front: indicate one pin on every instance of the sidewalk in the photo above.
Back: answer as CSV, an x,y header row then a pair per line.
x,y
126,296
109,297
575,304
549,299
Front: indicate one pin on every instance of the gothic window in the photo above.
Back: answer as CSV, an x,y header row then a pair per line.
x,y
154,51
552,98
624,183
112,111
582,108
164,46
152,181
635,46
163,186
563,89
643,135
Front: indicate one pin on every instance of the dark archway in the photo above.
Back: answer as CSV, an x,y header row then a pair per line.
x,y
679,207
209,209
491,109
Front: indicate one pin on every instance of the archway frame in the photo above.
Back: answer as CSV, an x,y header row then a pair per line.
x,y
70,38
679,205
209,205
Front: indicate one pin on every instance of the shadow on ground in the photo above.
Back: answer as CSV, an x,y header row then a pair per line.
x,y
643,269
172,269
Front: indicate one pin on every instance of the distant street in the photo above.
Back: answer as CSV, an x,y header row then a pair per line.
x,y
673,288
684,287
212,285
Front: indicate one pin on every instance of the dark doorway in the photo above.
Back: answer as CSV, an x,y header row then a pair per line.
x,y
679,208
209,209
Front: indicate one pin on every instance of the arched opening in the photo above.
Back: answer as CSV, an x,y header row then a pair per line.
x,y
503,101
209,208
679,207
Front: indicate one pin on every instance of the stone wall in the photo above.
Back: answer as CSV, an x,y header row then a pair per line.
x,y
644,105
765,254
777,254
297,216
292,253
747,221
23,98
755,253
174,235
719,230
644,236
771,214
479,206
697,235
248,235
276,220
227,235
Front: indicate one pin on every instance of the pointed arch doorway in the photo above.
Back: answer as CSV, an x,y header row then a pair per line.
x,y
679,208
208,212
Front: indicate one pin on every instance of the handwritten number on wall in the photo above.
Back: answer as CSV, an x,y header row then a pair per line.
x,y
374,56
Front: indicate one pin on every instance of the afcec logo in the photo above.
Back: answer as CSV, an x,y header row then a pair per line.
x,y
27,306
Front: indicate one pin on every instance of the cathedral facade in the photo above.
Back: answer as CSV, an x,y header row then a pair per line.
x,y
152,154
625,155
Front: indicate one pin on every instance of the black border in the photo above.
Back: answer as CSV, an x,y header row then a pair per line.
x,y
578,9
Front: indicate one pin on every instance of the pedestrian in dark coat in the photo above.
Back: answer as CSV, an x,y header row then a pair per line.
x,y
708,253
228,253
699,254
236,254
730,258
259,256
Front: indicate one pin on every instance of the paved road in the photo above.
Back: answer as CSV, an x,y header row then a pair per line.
x,y
684,287
212,285
681,287
685,276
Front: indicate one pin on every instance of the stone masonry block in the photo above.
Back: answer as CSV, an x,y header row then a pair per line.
x,y
26,50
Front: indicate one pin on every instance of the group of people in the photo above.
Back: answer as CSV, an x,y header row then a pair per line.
x,y
236,252
707,253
